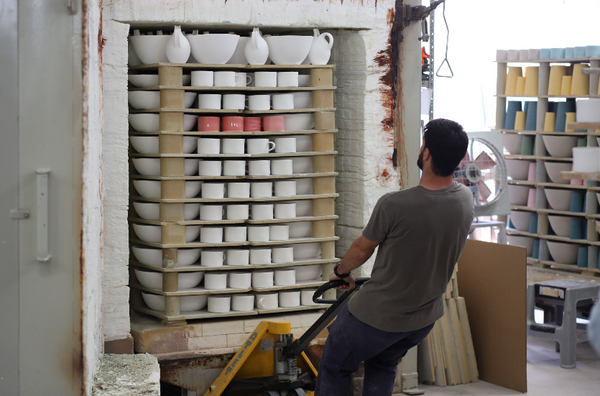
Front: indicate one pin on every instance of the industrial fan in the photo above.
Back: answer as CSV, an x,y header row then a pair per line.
x,y
483,170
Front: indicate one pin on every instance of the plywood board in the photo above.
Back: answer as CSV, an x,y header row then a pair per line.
x,y
493,281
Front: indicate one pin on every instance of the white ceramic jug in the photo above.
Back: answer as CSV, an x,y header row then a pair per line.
x,y
257,50
320,51
178,47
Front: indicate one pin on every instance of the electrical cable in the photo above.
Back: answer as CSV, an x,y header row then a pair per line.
x,y
437,73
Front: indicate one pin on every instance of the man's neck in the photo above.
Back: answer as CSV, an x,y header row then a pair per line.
x,y
431,181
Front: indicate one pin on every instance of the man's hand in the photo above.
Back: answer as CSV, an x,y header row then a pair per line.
x,y
350,280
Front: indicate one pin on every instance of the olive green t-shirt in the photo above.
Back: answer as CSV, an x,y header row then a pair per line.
x,y
422,233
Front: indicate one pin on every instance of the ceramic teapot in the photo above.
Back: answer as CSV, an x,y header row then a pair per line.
x,y
257,50
320,51
178,47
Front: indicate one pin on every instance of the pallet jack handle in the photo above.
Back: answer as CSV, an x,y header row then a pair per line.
x,y
298,346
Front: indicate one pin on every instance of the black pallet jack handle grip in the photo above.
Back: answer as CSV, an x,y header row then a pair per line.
x,y
333,284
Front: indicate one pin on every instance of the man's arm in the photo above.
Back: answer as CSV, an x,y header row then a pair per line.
x,y
360,251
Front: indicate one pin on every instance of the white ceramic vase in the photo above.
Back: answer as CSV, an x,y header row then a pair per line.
x,y
257,50
320,51
178,47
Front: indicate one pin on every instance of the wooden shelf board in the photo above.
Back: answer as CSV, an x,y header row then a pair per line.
x,y
242,200
293,220
189,88
580,175
525,208
564,60
561,186
291,241
591,70
246,177
201,66
232,133
514,231
229,222
522,183
583,125
570,267
518,156
268,155
557,159
560,212
300,285
519,132
196,291
199,268
231,111
293,309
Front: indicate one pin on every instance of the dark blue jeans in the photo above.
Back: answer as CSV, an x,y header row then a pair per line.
x,y
351,342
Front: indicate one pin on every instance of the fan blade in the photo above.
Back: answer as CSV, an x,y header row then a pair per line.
x,y
484,191
484,161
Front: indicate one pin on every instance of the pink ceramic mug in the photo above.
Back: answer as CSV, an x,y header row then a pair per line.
x,y
233,123
210,124
274,123
252,123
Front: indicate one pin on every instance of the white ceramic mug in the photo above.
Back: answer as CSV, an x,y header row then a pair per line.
x,y
209,146
258,234
235,234
261,189
283,254
202,78
242,302
306,251
234,168
259,146
304,80
301,229
302,100
262,278
285,145
280,232
306,296
237,212
267,300
285,210
286,188
233,146
242,79
262,212
285,277
304,186
287,79
219,304
211,212
215,280
224,79
234,101
211,235
209,101
238,257
302,165
209,168
265,79
240,280
238,190
260,256
212,258
283,101
289,299
213,190
259,168
259,102
282,167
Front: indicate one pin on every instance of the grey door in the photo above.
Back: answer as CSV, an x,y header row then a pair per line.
x,y
40,130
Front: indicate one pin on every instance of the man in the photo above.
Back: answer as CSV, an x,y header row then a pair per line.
x,y
421,233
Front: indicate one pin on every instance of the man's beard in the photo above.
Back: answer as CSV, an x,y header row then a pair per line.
x,y
420,160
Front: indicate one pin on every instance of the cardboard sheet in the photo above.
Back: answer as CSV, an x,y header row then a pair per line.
x,y
493,280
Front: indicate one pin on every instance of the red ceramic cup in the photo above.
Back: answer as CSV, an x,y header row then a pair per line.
x,y
209,124
274,123
232,123
252,123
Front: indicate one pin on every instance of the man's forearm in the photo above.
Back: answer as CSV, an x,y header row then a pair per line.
x,y
359,252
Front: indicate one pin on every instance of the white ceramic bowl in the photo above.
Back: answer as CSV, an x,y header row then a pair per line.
x,y
151,188
560,146
143,122
561,224
151,210
558,199
308,272
305,251
144,80
288,49
520,220
151,166
526,242
144,99
153,280
186,303
189,121
517,169
299,122
150,48
518,194
152,233
149,144
190,98
153,257
563,253
554,168
214,49
512,143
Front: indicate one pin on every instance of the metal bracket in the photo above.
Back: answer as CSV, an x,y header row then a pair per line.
x,y
418,13
20,214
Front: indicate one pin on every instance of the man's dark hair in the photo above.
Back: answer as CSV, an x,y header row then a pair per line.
x,y
447,142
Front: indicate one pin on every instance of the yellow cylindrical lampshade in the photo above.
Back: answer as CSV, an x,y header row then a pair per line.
x,y
531,80
511,80
520,86
571,117
555,83
520,121
565,88
549,122
580,84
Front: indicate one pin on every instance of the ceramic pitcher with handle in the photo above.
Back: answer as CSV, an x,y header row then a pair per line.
x,y
178,47
257,49
320,51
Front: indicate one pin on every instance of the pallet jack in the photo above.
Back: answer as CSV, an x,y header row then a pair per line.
x,y
271,362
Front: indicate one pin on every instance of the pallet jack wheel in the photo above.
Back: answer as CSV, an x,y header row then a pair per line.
x,y
293,392
299,392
